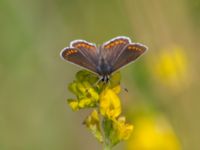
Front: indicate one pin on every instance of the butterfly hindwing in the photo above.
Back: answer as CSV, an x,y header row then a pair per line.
x,y
112,49
129,54
75,56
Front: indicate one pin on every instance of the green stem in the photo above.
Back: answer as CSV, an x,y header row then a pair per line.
x,y
107,126
107,147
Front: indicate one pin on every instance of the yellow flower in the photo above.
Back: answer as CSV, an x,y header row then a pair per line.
x,y
93,123
73,104
109,104
153,133
124,130
85,102
82,87
119,130
92,94
88,99
116,89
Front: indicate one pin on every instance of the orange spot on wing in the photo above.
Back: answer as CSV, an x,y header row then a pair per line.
x,y
108,46
84,45
134,48
69,52
112,44
129,47
117,42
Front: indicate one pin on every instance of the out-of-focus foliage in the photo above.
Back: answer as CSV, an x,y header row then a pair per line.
x,y
33,79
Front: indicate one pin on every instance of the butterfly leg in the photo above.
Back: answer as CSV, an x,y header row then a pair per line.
x,y
100,79
105,78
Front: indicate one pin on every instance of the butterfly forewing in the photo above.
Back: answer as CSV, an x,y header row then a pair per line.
x,y
89,50
75,56
129,54
111,50
106,59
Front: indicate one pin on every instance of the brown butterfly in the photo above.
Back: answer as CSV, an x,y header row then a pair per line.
x,y
104,59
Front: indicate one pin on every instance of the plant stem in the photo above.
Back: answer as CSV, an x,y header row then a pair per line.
x,y
107,146
107,126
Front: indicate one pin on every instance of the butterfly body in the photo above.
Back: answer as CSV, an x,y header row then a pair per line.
x,y
105,59
103,67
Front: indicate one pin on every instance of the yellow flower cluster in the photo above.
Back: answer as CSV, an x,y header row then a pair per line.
x,y
86,95
93,123
104,122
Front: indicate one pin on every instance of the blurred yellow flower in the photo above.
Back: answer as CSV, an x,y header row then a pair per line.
x,y
153,133
93,123
171,67
109,104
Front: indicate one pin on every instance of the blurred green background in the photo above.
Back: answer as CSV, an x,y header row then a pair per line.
x,y
163,85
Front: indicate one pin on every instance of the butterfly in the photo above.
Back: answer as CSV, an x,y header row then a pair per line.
x,y
105,59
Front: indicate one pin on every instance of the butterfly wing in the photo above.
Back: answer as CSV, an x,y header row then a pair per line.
x,y
89,50
111,50
129,54
76,57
